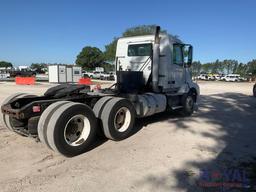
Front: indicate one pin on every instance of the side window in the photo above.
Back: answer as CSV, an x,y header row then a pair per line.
x,y
140,50
177,54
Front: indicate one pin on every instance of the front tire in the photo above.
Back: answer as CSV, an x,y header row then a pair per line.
x,y
72,129
188,104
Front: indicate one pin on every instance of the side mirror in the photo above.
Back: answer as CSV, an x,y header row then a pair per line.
x,y
188,55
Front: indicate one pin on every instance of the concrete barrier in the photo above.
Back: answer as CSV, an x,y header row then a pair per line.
x,y
85,81
25,80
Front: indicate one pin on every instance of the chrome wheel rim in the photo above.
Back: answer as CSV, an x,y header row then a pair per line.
x,y
122,119
77,130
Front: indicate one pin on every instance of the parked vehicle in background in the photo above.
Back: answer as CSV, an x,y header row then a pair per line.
x,y
100,75
221,76
88,74
203,77
242,79
211,77
112,76
97,75
4,75
22,73
104,76
5,72
232,78
216,77
85,75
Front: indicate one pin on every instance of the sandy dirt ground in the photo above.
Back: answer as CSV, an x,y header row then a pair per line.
x,y
167,153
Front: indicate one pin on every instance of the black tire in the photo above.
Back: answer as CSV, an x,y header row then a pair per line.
x,y
188,103
59,124
254,91
6,119
109,116
98,107
44,121
6,101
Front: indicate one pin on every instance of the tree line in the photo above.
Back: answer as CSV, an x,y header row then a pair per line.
x,y
5,64
227,66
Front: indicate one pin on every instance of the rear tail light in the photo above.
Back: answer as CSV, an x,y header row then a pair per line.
x,y
36,109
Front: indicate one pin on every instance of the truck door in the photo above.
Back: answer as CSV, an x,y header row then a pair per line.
x,y
177,72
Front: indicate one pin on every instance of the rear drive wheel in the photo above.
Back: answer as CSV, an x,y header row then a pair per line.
x,y
6,119
118,118
44,121
71,129
254,91
99,105
97,109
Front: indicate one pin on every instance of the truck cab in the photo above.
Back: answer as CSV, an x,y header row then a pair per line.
x,y
168,64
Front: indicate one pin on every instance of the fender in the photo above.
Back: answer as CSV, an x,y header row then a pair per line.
x,y
195,86
188,86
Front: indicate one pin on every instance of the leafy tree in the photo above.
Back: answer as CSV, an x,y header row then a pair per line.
x,y
230,65
108,67
140,30
241,69
217,67
5,64
90,57
196,68
207,67
252,67
110,50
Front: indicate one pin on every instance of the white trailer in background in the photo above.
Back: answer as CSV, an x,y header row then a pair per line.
x,y
69,75
64,74
53,73
77,73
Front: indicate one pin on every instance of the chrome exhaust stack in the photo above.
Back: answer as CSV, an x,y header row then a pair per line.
x,y
156,60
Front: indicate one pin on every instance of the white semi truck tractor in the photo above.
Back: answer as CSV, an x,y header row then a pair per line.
x,y
153,76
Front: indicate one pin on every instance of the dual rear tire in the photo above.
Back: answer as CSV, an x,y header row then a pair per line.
x,y
71,128
116,116
68,128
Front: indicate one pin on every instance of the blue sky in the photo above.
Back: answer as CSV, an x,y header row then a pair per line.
x,y
55,31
